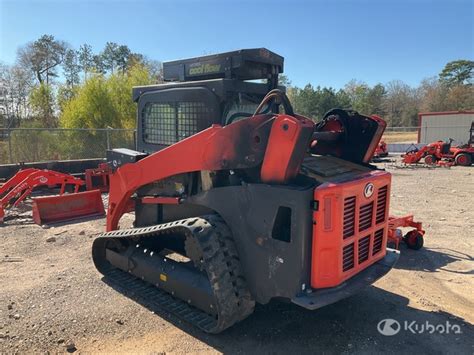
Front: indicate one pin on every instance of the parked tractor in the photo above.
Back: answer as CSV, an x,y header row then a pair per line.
x,y
239,200
439,152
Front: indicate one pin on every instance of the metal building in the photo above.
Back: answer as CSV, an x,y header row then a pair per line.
x,y
434,126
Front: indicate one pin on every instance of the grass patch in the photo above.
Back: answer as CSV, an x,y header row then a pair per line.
x,y
400,137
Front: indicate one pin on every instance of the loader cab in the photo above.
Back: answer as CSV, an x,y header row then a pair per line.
x,y
199,92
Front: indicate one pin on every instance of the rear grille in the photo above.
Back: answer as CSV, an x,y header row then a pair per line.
x,y
350,228
381,204
364,244
360,218
348,257
365,216
378,238
349,217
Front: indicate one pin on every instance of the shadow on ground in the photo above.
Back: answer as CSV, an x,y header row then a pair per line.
x,y
346,326
432,260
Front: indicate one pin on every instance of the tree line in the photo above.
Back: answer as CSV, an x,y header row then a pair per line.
x,y
52,84
397,102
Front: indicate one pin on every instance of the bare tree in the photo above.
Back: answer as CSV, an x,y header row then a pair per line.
x,y
401,103
15,86
42,57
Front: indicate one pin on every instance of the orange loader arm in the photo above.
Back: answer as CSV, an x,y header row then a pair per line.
x,y
278,142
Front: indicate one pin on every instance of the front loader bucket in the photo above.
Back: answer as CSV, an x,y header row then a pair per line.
x,y
67,207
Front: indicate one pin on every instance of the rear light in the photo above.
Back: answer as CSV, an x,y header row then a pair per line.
x,y
327,214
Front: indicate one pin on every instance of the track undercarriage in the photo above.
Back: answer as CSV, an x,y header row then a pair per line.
x,y
188,267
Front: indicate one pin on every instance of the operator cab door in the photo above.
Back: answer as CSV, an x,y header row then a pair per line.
x,y
167,116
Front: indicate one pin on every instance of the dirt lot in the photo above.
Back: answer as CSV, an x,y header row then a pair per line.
x,y
52,299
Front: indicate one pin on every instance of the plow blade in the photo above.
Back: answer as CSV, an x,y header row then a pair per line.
x,y
67,207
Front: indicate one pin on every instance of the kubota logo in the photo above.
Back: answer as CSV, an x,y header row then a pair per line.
x,y
369,190
388,327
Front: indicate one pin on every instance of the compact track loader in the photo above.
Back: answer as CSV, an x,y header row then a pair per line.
x,y
238,200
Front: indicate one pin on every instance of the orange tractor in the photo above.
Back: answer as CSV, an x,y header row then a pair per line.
x,y
443,153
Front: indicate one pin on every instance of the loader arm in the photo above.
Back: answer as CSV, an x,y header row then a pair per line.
x,y
25,181
415,156
278,142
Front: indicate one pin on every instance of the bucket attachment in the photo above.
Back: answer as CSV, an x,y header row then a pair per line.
x,y
67,207
20,186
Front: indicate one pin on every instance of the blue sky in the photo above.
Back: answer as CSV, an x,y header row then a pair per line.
x,y
324,43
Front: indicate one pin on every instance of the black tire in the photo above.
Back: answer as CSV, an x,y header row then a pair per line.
x,y
414,240
430,159
463,159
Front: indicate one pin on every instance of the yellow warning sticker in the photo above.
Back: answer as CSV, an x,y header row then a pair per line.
x,y
163,277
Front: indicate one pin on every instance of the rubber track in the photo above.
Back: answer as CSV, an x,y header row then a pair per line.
x,y
215,253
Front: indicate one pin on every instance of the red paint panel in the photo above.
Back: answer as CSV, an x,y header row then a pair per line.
x,y
289,139
340,251
376,138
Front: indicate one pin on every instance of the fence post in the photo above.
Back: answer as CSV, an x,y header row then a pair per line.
x,y
107,135
10,145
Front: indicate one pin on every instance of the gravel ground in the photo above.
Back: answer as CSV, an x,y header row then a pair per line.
x,y
53,300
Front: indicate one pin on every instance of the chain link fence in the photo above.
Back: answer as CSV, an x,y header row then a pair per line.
x,y
44,144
